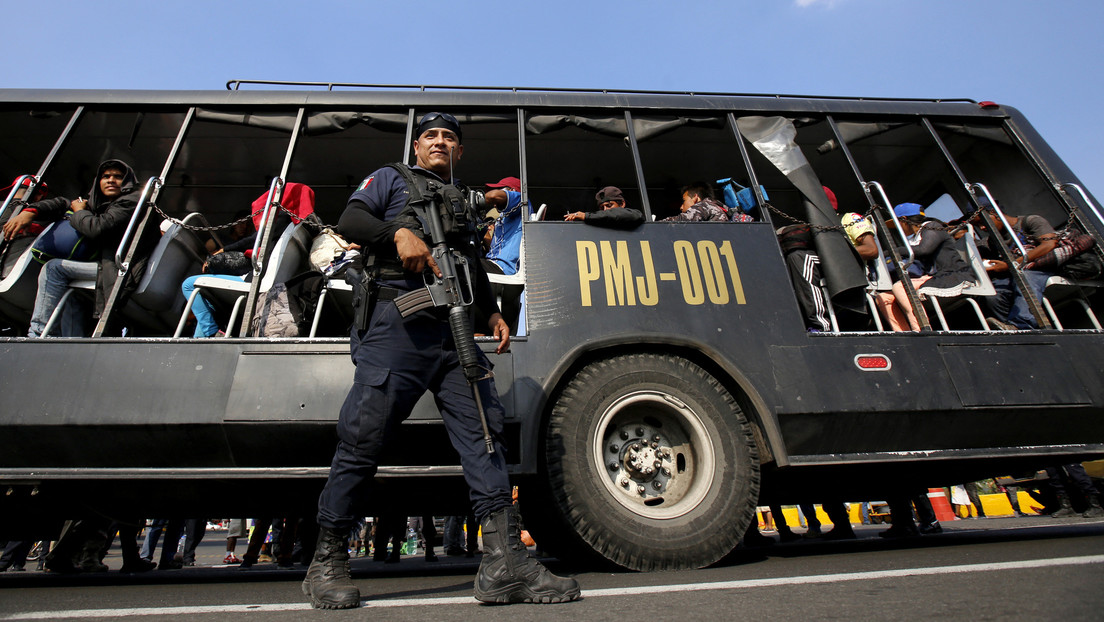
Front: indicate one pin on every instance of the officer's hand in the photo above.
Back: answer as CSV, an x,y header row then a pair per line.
x,y
413,252
501,332
16,224
575,216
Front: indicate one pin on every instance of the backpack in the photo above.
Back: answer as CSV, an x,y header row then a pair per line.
x,y
62,241
739,199
228,262
795,237
287,309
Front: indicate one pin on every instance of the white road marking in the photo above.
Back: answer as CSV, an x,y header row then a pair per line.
x,y
600,593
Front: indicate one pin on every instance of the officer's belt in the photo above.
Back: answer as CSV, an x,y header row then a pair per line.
x,y
407,302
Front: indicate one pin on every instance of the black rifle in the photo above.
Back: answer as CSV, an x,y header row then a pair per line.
x,y
453,289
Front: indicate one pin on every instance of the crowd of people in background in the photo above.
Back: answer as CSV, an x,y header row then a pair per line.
x,y
288,543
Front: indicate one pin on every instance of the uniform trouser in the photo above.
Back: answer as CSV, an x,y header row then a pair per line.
x,y
1067,477
397,360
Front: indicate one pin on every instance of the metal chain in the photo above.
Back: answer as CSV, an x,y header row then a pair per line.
x,y
229,225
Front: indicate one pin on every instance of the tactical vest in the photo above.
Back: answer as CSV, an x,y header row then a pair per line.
x,y
457,218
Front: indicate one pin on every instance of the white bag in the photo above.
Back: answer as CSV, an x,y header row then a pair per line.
x,y
325,248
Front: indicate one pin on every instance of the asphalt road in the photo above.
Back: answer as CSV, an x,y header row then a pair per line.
x,y
1004,568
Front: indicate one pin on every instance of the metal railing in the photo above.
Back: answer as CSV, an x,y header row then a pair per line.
x,y
234,85
151,187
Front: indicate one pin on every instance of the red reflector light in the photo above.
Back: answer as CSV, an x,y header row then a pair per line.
x,y
988,104
872,362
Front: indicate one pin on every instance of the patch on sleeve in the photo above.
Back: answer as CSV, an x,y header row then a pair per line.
x,y
367,182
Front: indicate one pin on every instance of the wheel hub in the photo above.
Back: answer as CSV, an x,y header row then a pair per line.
x,y
646,460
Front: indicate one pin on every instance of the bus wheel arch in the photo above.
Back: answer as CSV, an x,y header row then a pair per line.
x,y
648,463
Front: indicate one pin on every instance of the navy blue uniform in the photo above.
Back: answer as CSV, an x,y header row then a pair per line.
x,y
397,360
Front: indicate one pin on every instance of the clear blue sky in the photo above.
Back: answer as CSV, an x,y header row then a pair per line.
x,y
1041,57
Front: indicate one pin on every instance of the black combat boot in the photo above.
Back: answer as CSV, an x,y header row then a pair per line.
x,y
327,582
1066,509
1095,509
508,575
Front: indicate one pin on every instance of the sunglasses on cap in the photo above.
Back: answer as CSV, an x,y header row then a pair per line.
x,y
442,120
439,115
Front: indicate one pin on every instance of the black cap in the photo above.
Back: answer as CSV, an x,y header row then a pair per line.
x,y
433,120
609,193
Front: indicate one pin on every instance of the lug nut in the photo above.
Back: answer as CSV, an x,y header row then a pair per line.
x,y
667,471
657,485
655,445
657,464
615,448
614,466
640,431
624,483
624,435
636,446
655,438
640,489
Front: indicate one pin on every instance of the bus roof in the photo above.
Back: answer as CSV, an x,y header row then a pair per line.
x,y
325,94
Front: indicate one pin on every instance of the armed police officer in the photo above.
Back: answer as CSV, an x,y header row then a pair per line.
x,y
402,347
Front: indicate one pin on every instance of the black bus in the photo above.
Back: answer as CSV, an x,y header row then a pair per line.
x,y
662,383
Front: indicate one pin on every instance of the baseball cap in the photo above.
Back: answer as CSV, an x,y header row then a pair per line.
x,y
908,209
831,197
507,182
609,193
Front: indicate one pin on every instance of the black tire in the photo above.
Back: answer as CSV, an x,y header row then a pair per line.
x,y
649,463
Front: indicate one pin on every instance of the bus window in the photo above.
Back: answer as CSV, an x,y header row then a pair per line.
x,y
28,137
987,155
491,149
227,160
676,151
904,160
838,279
338,149
141,139
570,157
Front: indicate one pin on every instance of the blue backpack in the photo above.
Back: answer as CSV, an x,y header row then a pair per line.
x,y
62,241
739,199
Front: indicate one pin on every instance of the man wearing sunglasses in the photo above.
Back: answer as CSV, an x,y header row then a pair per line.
x,y
399,358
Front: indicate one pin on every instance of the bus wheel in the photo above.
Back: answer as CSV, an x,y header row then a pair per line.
x,y
650,463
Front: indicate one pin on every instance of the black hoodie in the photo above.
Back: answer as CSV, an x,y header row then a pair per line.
x,y
102,224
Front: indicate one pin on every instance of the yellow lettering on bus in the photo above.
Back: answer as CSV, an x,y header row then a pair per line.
x,y
589,272
646,285
619,283
713,272
689,273
730,257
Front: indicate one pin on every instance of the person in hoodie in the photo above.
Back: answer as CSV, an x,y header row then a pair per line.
x,y
102,220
